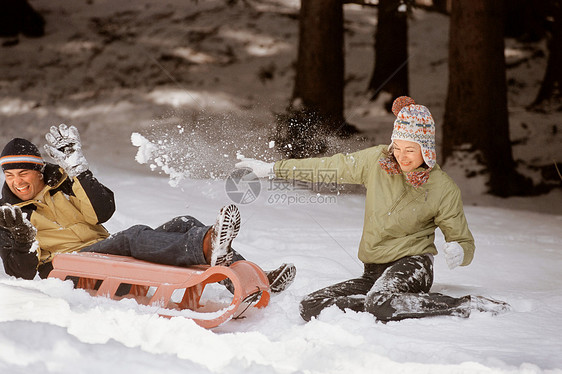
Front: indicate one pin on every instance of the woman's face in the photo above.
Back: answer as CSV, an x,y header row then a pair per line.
x,y
408,154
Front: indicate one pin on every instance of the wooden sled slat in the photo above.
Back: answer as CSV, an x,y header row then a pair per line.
x,y
112,271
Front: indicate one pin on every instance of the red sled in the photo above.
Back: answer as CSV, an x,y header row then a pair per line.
x,y
90,268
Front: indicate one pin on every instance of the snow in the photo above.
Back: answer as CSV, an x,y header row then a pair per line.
x,y
164,136
49,327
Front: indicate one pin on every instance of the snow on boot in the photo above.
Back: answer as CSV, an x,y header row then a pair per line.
x,y
485,304
223,232
281,278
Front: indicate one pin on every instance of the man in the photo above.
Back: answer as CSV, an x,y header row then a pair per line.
x,y
48,209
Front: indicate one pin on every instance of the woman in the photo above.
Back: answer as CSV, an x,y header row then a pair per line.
x,y
408,197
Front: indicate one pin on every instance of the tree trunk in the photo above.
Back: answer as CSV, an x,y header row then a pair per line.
x,y
317,107
476,109
551,86
319,80
17,16
525,19
390,73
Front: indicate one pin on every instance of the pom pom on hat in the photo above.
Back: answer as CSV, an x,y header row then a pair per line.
x,y
21,154
401,102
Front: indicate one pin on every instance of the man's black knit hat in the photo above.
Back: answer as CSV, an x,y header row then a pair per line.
x,y
21,154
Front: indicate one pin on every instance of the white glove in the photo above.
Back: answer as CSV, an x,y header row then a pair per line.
x,y
261,169
65,148
454,254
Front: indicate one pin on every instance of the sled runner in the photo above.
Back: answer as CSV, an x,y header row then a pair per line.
x,y
111,271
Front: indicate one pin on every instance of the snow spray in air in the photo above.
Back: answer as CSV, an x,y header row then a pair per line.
x,y
201,148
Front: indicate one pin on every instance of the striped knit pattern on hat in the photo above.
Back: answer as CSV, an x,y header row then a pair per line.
x,y
21,154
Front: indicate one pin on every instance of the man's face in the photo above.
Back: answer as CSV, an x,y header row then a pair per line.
x,y
24,183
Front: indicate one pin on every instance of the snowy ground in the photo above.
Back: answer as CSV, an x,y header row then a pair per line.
x,y
49,327
194,78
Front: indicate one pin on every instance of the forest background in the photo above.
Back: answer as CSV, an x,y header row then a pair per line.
x,y
322,84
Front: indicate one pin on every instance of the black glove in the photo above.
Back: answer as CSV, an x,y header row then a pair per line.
x,y
12,219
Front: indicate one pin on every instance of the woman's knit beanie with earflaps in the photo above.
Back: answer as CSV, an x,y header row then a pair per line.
x,y
413,123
